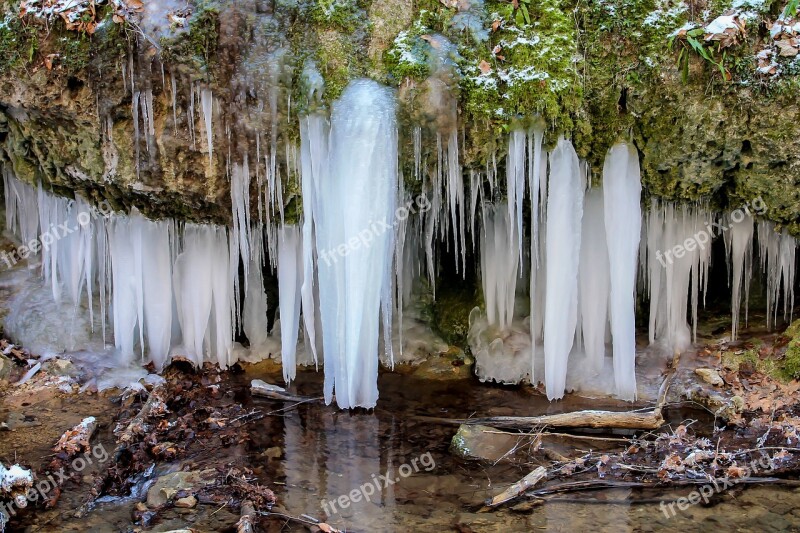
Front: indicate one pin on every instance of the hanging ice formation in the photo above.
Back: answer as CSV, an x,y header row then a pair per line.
x,y
354,235
563,245
290,282
622,190
169,289
594,280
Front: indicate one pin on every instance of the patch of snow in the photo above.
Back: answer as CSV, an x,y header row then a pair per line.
x,y
722,23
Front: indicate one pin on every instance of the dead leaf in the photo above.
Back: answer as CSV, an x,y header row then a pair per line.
x,y
485,67
48,61
736,472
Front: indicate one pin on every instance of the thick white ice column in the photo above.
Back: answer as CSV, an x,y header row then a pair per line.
x,y
739,244
622,190
535,138
142,279
156,270
314,135
290,281
254,314
355,240
563,247
499,265
127,304
594,279
203,293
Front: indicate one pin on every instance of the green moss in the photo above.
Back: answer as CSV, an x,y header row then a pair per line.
x,y
340,14
18,42
408,56
196,47
451,311
337,58
790,366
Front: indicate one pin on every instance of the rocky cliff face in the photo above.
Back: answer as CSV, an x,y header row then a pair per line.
x,y
118,99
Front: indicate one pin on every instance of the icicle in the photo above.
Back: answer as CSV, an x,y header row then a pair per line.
x,y
314,133
174,86
190,118
622,191
355,285
254,314
240,208
202,282
455,199
535,138
594,279
126,295
290,281
739,242
207,102
156,273
499,265
418,152
135,109
515,178
563,244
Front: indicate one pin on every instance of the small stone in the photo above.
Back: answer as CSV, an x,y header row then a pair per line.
x,y
168,492
186,503
141,507
482,443
272,453
710,376
6,365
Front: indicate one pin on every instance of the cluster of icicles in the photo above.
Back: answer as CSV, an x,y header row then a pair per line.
x,y
582,268
171,288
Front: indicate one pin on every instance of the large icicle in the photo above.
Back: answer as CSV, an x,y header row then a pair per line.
x,y
594,280
156,272
739,241
499,265
515,181
207,103
622,189
564,212
357,201
535,138
314,134
290,281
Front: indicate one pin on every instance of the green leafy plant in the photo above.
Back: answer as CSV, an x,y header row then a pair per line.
x,y
692,43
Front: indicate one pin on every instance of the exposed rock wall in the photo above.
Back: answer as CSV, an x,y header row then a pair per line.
x,y
708,123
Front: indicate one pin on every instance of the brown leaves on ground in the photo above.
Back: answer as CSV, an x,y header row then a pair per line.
x,y
79,15
76,440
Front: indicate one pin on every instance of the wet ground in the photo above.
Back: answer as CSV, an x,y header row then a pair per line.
x,y
386,470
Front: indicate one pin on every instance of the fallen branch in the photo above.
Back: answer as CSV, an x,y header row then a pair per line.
x,y
600,484
76,440
154,406
519,487
246,523
274,392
